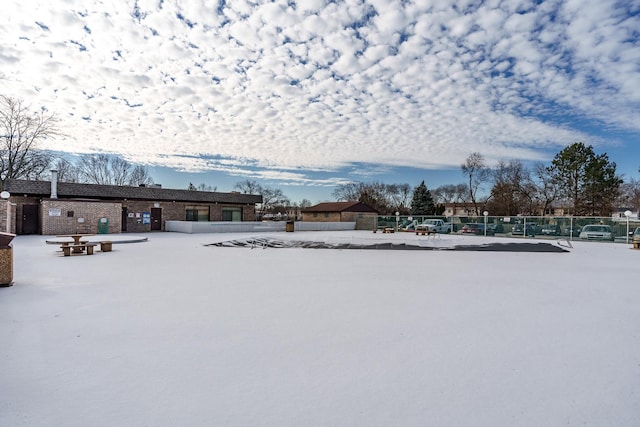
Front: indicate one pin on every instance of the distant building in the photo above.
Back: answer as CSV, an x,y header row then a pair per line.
x,y
468,209
51,207
619,214
362,214
460,209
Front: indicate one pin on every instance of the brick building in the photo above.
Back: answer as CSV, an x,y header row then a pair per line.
x,y
362,214
50,207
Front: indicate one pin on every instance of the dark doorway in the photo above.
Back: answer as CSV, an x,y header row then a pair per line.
x,y
124,219
156,219
30,219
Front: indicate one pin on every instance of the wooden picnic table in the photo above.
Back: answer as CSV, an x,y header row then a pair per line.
x,y
76,237
78,247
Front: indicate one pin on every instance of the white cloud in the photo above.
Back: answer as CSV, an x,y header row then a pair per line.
x,y
322,85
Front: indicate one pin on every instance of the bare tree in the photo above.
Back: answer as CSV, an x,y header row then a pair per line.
x,y
120,170
511,193
206,187
40,167
21,131
349,192
400,197
140,176
546,186
450,193
305,203
67,171
375,195
108,169
630,194
94,169
385,198
272,198
477,174
248,186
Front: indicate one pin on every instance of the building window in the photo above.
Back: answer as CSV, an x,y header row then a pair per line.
x,y
197,213
232,214
192,215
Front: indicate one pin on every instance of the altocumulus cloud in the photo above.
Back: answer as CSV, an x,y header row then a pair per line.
x,y
276,89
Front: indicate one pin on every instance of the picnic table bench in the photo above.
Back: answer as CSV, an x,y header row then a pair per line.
x,y
385,229
77,242
426,232
77,248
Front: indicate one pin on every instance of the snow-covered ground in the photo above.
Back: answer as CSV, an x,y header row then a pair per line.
x,y
171,332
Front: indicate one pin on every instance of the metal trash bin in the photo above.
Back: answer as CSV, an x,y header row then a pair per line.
x,y
6,259
290,226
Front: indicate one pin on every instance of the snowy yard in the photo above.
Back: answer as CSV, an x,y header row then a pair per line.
x,y
171,332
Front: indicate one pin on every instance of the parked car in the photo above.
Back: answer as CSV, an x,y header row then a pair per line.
x,y
519,230
571,232
477,229
635,239
550,230
437,225
496,227
597,232
406,225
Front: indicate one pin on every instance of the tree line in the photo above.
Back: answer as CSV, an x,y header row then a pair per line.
x,y
577,180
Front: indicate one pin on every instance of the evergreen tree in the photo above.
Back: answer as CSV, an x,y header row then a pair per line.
x,y
422,202
586,180
602,186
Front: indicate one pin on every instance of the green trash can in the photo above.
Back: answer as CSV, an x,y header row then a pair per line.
x,y
103,226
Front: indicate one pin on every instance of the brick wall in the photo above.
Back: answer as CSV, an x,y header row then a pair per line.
x,y
321,217
3,216
176,211
364,221
134,215
249,213
59,216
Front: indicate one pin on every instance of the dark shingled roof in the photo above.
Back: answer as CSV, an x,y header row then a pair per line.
x,y
68,190
340,207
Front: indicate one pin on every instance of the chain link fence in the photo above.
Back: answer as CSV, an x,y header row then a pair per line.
x,y
536,227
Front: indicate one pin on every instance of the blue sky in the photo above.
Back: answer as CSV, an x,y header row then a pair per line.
x,y
308,95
